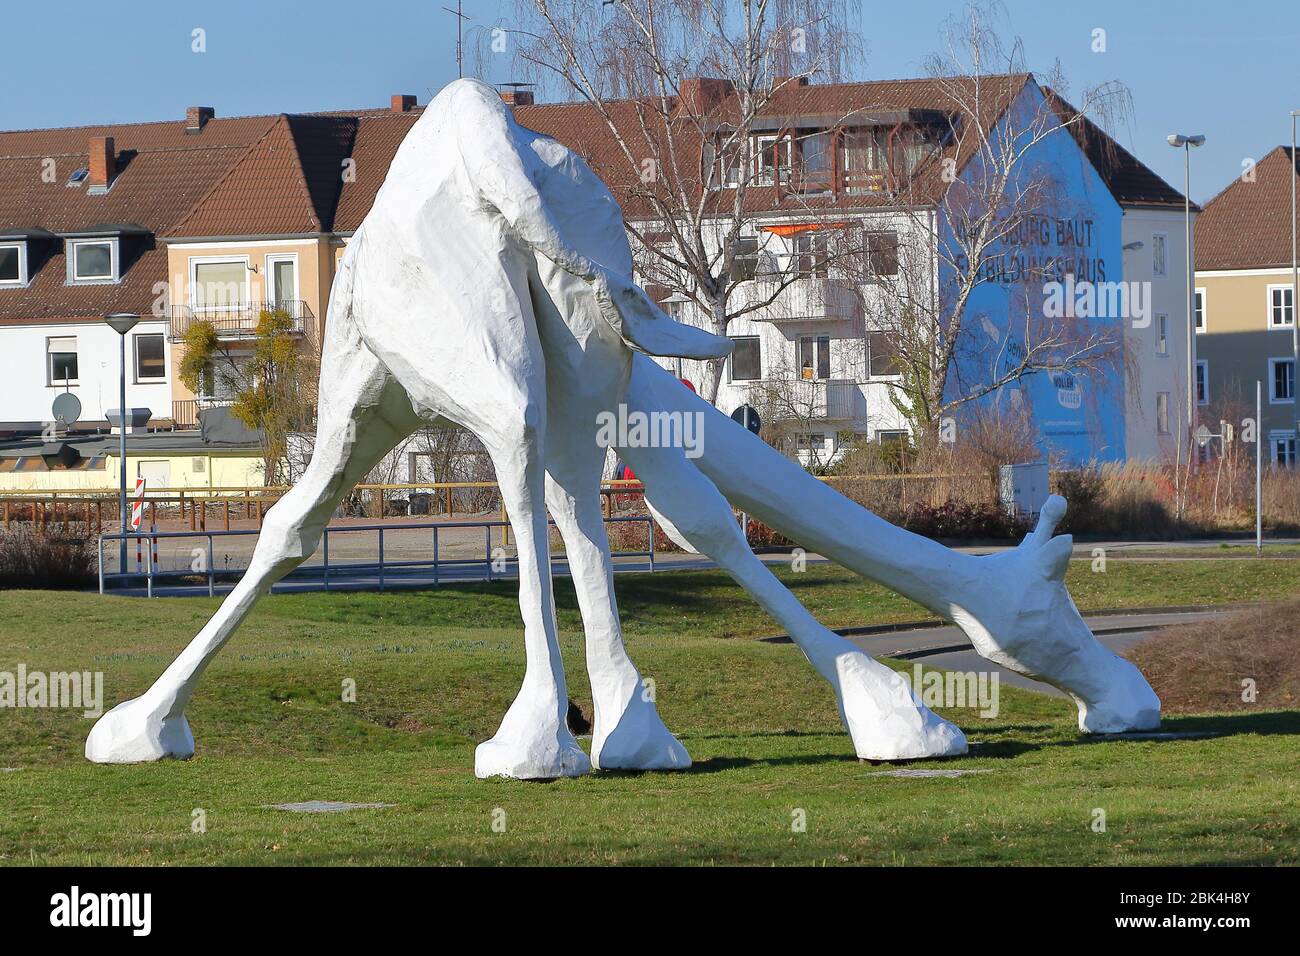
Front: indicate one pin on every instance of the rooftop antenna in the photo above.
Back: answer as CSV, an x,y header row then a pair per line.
x,y
460,22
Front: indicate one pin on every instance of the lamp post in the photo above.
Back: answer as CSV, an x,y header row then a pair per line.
x,y
1295,288
1185,143
122,323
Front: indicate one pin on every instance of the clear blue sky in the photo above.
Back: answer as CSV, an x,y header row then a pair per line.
x,y
1227,70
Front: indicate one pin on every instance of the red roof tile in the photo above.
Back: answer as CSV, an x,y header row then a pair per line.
x,y
1248,224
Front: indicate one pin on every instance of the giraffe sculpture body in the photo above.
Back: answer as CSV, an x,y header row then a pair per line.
x,y
490,286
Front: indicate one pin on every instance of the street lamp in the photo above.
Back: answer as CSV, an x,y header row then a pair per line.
x,y
1185,143
122,323
1295,287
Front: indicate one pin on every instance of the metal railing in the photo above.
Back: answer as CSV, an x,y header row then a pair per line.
x,y
185,412
238,320
148,571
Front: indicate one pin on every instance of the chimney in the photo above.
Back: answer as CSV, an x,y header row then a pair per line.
x,y
103,162
517,97
701,94
402,103
785,82
196,117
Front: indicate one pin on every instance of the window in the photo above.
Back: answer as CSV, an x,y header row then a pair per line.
x,y
1162,334
1284,450
862,157
1281,313
1281,379
772,164
1162,413
1159,255
814,442
150,360
13,264
814,357
219,284
1199,306
745,360
93,261
61,360
815,153
282,278
1202,381
882,254
882,356
810,257
891,436
744,262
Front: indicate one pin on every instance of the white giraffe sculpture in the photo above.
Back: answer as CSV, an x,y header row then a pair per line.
x,y
490,286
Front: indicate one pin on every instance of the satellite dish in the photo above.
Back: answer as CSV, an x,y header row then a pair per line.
x,y
66,409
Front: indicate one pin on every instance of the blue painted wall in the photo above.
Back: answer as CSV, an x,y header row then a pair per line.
x,y
1079,418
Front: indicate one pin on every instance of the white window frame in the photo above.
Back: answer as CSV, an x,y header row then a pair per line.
x,y
1272,381
1205,315
268,264
1284,287
1160,239
21,281
196,261
1274,439
1163,428
1205,377
765,143
135,358
50,381
114,261
731,371
1162,334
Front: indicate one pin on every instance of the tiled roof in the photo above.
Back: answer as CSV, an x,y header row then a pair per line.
x,y
285,175
287,183
162,172
377,139
1248,224
1129,180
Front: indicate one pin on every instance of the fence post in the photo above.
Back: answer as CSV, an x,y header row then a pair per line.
x,y
650,524
211,570
381,554
325,554
435,554
449,501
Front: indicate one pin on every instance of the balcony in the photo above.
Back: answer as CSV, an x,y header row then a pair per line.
x,y
807,299
185,414
831,399
238,321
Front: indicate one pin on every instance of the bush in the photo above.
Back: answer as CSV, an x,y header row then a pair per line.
x,y
954,519
47,559
760,535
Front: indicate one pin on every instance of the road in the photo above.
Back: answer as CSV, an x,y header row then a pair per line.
x,y
947,647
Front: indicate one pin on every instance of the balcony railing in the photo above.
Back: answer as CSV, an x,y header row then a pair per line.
x,y
238,321
831,399
185,414
807,299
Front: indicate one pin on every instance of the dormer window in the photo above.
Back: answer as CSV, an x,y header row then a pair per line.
x,y
92,261
13,264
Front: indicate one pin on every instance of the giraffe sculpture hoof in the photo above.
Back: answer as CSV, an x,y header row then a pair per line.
x,y
136,731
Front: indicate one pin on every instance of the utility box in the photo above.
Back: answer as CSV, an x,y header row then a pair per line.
x,y
1023,489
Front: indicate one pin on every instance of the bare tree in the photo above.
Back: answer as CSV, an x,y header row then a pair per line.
x,y
677,88
969,215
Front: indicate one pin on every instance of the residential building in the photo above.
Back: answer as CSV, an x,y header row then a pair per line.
x,y
829,159
219,220
1246,303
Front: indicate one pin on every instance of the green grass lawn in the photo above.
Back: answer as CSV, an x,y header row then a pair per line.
x,y
436,669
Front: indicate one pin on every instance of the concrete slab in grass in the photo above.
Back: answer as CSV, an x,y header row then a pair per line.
x,y
927,774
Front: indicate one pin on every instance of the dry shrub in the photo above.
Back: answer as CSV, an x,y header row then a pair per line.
x,y
1200,667
52,558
